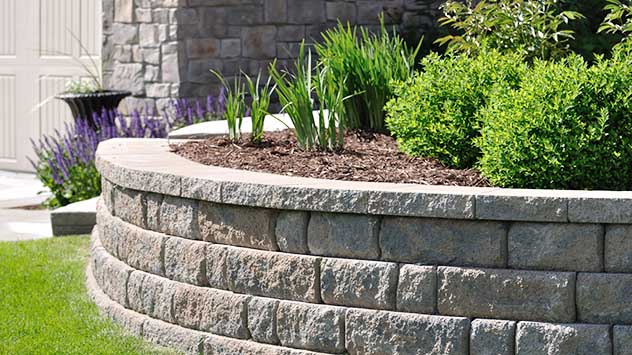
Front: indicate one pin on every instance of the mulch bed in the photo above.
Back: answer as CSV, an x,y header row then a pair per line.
x,y
366,157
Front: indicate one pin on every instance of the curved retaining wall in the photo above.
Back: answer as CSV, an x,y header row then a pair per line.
x,y
217,261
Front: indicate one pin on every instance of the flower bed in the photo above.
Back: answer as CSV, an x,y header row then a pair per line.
x,y
218,261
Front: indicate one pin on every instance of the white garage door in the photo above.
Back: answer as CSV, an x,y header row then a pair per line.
x,y
36,60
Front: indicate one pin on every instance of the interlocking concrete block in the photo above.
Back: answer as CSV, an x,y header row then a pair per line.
x,y
216,266
276,275
504,207
604,207
224,313
622,340
262,320
172,336
157,297
416,289
107,196
141,249
152,204
379,332
201,189
311,12
604,298
178,217
492,337
185,261
291,232
343,235
556,246
366,284
579,339
506,294
221,345
128,205
422,204
443,242
618,248
114,276
257,42
311,327
238,225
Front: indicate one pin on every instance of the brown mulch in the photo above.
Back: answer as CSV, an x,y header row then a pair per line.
x,y
366,157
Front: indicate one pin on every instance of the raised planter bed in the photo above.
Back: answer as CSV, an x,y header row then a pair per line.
x,y
220,261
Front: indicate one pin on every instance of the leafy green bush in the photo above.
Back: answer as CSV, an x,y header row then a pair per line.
x,y
365,65
569,126
435,114
535,28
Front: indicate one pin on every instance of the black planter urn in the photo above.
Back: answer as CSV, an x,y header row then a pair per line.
x,y
84,105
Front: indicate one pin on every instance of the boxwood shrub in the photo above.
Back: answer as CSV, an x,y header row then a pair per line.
x,y
435,113
568,126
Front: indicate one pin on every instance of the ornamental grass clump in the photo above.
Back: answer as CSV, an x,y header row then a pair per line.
x,y
260,95
295,92
235,105
365,66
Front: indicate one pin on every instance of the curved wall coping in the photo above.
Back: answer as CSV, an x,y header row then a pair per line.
x,y
147,165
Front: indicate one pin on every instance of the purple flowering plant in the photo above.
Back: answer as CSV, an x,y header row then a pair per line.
x,y
65,160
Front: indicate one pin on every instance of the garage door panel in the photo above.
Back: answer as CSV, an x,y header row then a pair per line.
x,y
7,27
7,118
53,113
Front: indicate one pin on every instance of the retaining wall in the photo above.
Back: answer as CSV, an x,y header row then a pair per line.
x,y
217,261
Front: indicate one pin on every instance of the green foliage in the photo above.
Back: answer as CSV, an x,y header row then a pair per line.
x,y
365,65
235,105
295,92
534,28
260,96
83,183
568,126
81,87
619,17
435,114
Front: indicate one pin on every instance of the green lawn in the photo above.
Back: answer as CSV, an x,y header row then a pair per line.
x,y
44,308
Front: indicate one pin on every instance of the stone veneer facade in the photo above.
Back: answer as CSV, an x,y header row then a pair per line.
x,y
164,48
218,261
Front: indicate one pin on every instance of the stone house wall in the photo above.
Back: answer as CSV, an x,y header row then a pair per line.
x,y
164,48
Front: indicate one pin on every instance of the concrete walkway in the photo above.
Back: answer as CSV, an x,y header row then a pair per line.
x,y
18,190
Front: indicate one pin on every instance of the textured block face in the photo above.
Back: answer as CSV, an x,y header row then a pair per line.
x,y
506,294
128,205
275,275
556,246
580,339
291,232
374,332
618,248
622,340
187,305
367,284
178,217
311,327
157,298
492,337
342,235
521,208
238,225
262,320
168,335
216,266
604,298
107,196
443,242
416,290
152,210
114,280
224,313
142,249
185,261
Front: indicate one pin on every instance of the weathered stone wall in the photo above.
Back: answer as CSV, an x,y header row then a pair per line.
x,y
241,261
160,49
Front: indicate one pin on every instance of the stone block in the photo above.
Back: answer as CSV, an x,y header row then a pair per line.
x,y
443,242
607,208
311,327
123,33
169,68
276,275
579,339
185,261
506,294
556,246
157,297
604,298
258,42
416,289
521,208
199,189
174,337
143,15
291,231
221,345
341,11
135,291
186,16
275,11
158,90
492,337
216,266
369,12
151,56
354,283
124,11
148,35
423,204
152,203
618,248
622,340
309,12
262,320
203,48
343,235
114,276
129,77
244,15
230,48
238,225
379,332
290,33
142,249
128,206
107,195
178,217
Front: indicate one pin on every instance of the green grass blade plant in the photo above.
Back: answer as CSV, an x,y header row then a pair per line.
x,y
260,96
367,64
235,106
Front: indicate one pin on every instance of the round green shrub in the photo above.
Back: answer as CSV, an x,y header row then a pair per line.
x,y
569,126
435,113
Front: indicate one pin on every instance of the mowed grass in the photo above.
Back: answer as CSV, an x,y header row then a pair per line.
x,y
44,307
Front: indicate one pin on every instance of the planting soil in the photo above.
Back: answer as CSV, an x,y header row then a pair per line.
x,y
366,157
